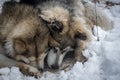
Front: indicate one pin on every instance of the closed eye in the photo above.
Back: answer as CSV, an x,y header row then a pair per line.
x,y
57,26
81,36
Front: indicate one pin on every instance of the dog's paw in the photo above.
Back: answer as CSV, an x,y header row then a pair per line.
x,y
29,70
81,59
34,72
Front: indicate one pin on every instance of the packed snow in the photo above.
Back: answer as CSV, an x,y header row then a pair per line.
x,y
103,56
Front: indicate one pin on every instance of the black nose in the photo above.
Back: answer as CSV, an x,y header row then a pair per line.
x,y
55,67
40,69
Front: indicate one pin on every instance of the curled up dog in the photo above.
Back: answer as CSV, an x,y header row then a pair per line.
x,y
67,29
70,27
24,36
27,34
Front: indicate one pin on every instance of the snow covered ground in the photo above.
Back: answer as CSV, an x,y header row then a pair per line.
x,y
103,62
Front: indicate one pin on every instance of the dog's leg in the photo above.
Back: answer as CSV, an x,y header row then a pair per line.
x,y
29,70
78,51
22,58
41,51
25,68
41,61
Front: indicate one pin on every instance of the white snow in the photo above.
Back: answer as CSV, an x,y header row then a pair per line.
x,y
103,57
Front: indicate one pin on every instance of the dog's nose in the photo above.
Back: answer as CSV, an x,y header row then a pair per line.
x,y
55,67
40,69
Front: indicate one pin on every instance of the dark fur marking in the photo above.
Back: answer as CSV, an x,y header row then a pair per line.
x,y
80,36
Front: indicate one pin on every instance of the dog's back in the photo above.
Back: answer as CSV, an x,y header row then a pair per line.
x,y
16,16
23,31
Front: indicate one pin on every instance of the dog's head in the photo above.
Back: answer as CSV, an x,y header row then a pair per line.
x,y
57,19
56,55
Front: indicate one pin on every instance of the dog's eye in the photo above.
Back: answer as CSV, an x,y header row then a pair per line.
x,y
81,36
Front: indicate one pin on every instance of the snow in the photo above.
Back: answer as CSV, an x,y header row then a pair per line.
x,y
103,57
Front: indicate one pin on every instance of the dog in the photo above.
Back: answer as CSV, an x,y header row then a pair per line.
x,y
51,12
24,34
67,29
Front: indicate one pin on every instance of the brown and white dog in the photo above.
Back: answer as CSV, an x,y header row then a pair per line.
x,y
70,27
67,30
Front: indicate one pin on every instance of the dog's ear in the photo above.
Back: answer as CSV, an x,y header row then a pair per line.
x,y
44,17
19,46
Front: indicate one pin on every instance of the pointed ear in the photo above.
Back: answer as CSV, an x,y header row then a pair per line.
x,y
19,46
44,17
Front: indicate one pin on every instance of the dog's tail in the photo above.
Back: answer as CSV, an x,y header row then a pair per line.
x,y
98,16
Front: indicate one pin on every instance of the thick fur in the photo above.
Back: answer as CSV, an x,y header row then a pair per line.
x,y
77,19
24,34
25,68
94,13
72,30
